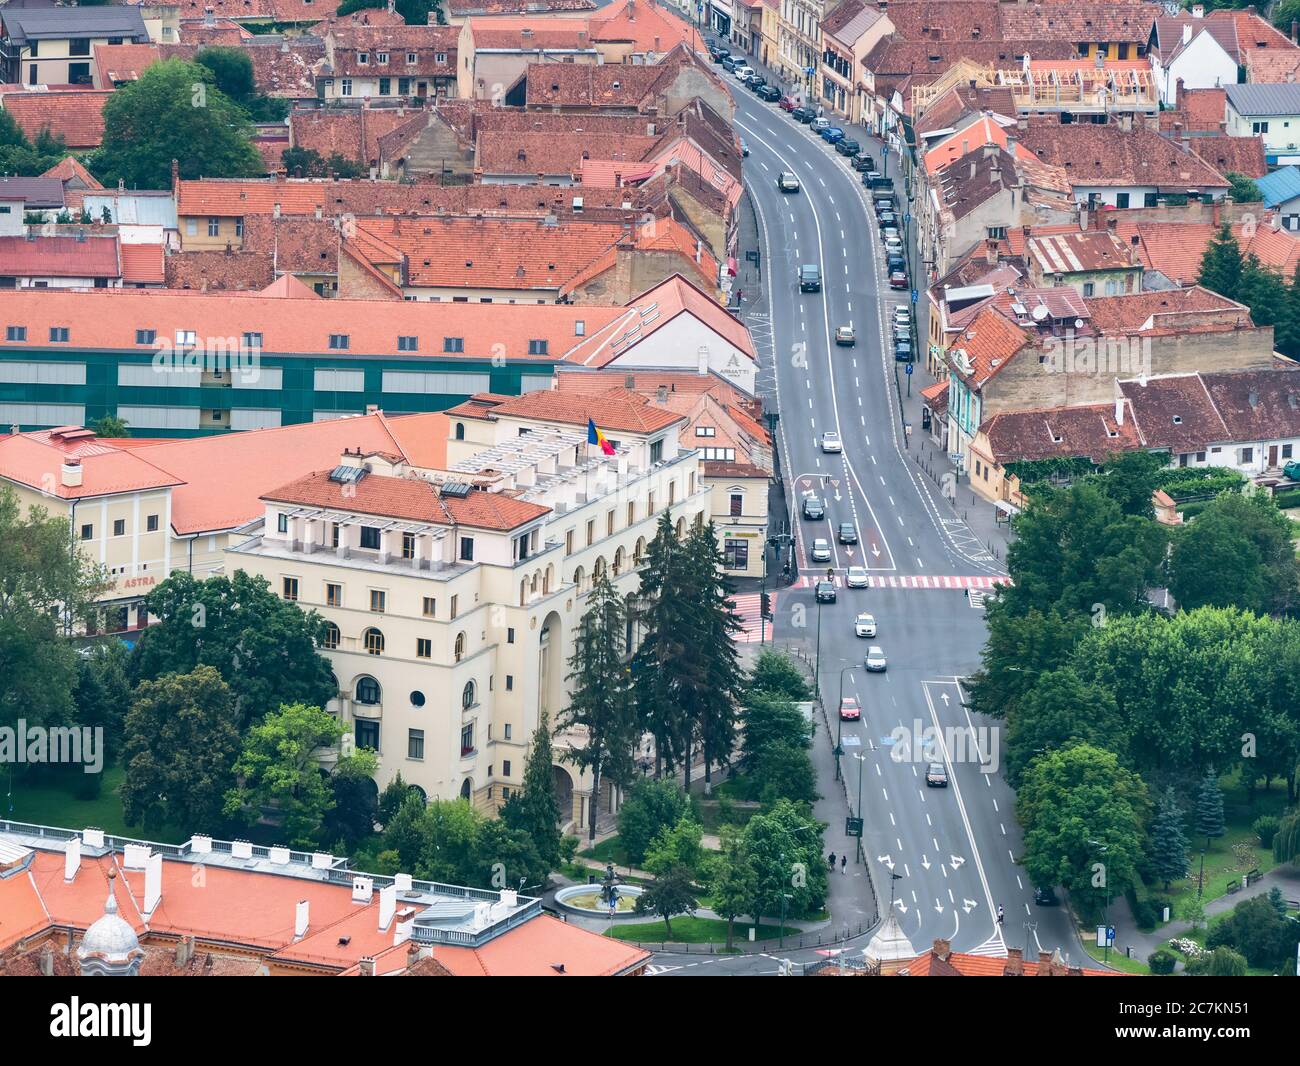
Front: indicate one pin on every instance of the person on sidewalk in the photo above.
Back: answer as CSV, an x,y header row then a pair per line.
x,y
844,864
832,862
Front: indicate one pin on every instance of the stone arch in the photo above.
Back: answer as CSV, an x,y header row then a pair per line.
x,y
563,791
467,789
550,666
619,557
638,553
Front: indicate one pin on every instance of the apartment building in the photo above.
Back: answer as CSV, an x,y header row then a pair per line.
x,y
453,594
56,45
383,63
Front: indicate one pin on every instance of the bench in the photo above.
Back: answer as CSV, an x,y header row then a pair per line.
x,y
1233,886
1253,876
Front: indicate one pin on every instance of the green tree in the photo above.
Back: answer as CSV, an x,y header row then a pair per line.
x,y
783,771
767,720
350,817
1221,962
1168,840
1209,807
232,71
394,794
264,647
534,810
676,846
649,807
504,857
279,773
776,673
1129,478
1244,190
182,740
599,701
731,882
1236,553
46,585
1256,930
784,850
1019,650
1286,842
414,12
1059,710
102,695
1222,264
110,426
669,894
1284,13
174,111
309,163
1083,815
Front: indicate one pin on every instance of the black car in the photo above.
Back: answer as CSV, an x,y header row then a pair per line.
x,y
902,351
803,114
847,147
847,533
1046,897
864,162
770,93
894,262
868,177
825,591
887,218
813,509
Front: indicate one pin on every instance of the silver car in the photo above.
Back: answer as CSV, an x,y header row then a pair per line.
x,y
875,659
831,442
864,625
821,550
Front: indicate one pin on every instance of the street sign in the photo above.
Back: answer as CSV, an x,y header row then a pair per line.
x,y
914,294
853,827
909,370
1110,934
907,218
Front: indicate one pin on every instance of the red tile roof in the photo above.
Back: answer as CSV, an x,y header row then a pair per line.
x,y
1108,156
553,153
69,169
1193,309
940,961
1065,432
60,257
124,62
530,33
1175,248
142,263
352,132
1079,22
226,197
644,26
990,342
36,460
76,116
427,42
544,947
616,409
1232,155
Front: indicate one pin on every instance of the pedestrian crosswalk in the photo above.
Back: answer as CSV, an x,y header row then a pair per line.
x,y
749,607
915,581
993,947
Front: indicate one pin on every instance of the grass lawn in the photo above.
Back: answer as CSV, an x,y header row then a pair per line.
x,y
688,930
608,850
1117,961
51,802
1200,937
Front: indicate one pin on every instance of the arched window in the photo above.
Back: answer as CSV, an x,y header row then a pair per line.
x,y
523,592
681,529
547,578
458,652
466,789
467,695
460,430
368,691
618,562
536,584
331,637
374,641
579,576
598,569
638,553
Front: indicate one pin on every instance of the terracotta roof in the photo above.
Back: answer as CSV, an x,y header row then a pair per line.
x,y
950,20
990,342
1190,310
1232,155
142,263
76,116
1253,33
69,169
515,7
617,410
194,30
1256,404
1198,111
1077,250
544,947
352,132
124,62
1079,22
36,460
644,26
427,42
60,257
589,85
941,961
219,271
553,153
1168,32
531,33
1108,156
1089,431
1175,248
295,245
936,396
1263,67
225,197
984,130
413,499
1174,412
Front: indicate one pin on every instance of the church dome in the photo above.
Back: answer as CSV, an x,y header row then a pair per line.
x,y
110,945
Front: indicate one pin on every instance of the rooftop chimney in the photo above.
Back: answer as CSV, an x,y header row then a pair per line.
x,y
152,882
301,919
184,951
1198,11
209,19
71,858
1015,966
1187,32
367,967
71,473
942,948
46,959
387,906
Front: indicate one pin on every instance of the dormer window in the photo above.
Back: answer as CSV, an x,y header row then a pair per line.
x,y
453,344
412,58
339,342
363,59
1178,420
537,347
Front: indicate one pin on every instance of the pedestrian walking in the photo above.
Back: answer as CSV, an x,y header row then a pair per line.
x,y
844,864
832,860
1001,916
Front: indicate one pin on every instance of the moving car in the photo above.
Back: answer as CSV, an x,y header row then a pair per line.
x,y
857,578
875,661
863,162
847,533
847,146
936,776
831,443
825,591
897,279
803,114
810,278
864,625
770,93
821,550
849,709
1046,897
845,337
813,509
787,182
744,149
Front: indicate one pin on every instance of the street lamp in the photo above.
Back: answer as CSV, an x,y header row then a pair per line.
x,y
861,759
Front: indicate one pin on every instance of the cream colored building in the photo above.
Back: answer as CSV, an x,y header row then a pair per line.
x,y
453,594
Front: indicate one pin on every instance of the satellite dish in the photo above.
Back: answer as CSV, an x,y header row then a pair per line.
x,y
1078,323
1040,312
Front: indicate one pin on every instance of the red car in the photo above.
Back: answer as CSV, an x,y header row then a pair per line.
x,y
787,104
898,280
849,709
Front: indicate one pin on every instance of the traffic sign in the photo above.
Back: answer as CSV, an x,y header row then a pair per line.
x,y
853,827
914,296
852,741
907,218
908,371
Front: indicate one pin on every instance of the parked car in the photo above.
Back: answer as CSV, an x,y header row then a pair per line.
x,y
894,261
847,533
810,278
863,162
803,114
787,182
893,245
728,62
755,82
821,550
813,509
849,709
819,124
897,279
875,661
864,625
887,218
902,332
902,314
743,72
847,146
825,591
903,350
831,442
787,103
881,182
1292,470
883,204
845,337
1045,896
936,776
832,134
857,577
770,93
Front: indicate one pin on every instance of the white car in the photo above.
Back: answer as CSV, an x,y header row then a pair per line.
x,y
902,316
864,625
743,72
857,577
831,442
821,550
875,659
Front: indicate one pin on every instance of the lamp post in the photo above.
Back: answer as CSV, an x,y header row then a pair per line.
x,y
785,895
1200,880
817,663
861,759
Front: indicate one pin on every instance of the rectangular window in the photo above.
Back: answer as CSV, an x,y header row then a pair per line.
x,y
412,58
430,608
467,739
408,545
505,768
334,534
381,58
415,743
214,227
385,86
657,451
88,532
345,87
1259,127
568,542
510,682
290,588
1286,451
339,342
282,523
253,340
737,504
467,549
333,595
440,57
79,47
363,59
191,227
403,86
609,524
1246,455
591,532
510,635
453,344
1149,200
145,336
1089,288
239,228
151,523
408,344
367,734
16,333
706,431
537,347
59,334
423,648
454,599
631,513
378,600
119,527
370,537
186,337
735,554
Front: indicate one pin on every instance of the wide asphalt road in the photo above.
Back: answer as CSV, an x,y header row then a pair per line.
x,y
950,850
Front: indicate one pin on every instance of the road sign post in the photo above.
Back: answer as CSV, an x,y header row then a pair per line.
x,y
853,827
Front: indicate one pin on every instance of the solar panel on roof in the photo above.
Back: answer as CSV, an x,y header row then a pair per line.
x,y
457,489
348,475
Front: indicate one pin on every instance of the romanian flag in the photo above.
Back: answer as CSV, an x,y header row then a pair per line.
x,y
595,436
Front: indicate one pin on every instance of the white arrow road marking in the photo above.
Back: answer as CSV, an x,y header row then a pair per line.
x,y
956,861
925,862
969,905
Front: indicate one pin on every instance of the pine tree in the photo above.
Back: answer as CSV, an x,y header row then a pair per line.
x,y
1209,807
1222,264
534,810
1168,840
600,702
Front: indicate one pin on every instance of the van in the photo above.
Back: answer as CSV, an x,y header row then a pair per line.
x,y
882,183
810,278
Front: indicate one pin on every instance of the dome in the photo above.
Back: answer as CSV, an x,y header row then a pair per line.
x,y
110,945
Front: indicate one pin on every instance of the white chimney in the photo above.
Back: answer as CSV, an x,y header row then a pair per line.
x,y
241,849
275,210
321,861
509,897
135,856
200,844
152,882
367,967
363,888
1198,11
1187,32
1119,410
301,919
387,905
71,473
702,357
92,838
403,882
71,858
405,923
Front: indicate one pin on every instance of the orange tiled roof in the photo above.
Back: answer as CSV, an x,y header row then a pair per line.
x,y
1091,431
36,460
550,153
124,62
615,409
537,947
529,32
1193,309
76,116
68,169
990,342
644,26
1108,156
60,256
1175,248
142,263
1232,155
